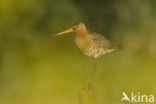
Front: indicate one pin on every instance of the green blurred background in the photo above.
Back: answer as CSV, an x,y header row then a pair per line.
x,y
38,68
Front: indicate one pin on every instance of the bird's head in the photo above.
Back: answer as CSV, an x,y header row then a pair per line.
x,y
78,27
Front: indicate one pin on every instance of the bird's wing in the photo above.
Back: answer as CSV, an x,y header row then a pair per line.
x,y
102,42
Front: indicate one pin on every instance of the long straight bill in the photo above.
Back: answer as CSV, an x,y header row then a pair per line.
x,y
64,32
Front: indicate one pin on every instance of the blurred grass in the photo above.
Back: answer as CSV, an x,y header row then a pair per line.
x,y
37,68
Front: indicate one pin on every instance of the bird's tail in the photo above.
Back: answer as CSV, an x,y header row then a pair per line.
x,y
119,47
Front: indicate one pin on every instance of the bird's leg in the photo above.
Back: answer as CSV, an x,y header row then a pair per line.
x,y
94,70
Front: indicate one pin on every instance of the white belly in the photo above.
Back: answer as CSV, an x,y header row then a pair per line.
x,y
96,52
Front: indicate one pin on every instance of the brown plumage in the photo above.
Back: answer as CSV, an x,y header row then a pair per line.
x,y
91,44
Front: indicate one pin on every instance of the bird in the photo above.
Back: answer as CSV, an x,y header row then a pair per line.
x,y
93,45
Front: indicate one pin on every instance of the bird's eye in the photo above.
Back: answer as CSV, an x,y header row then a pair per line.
x,y
75,26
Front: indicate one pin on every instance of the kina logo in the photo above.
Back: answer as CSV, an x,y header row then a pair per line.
x,y
140,98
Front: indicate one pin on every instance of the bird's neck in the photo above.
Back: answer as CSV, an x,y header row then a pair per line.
x,y
82,33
